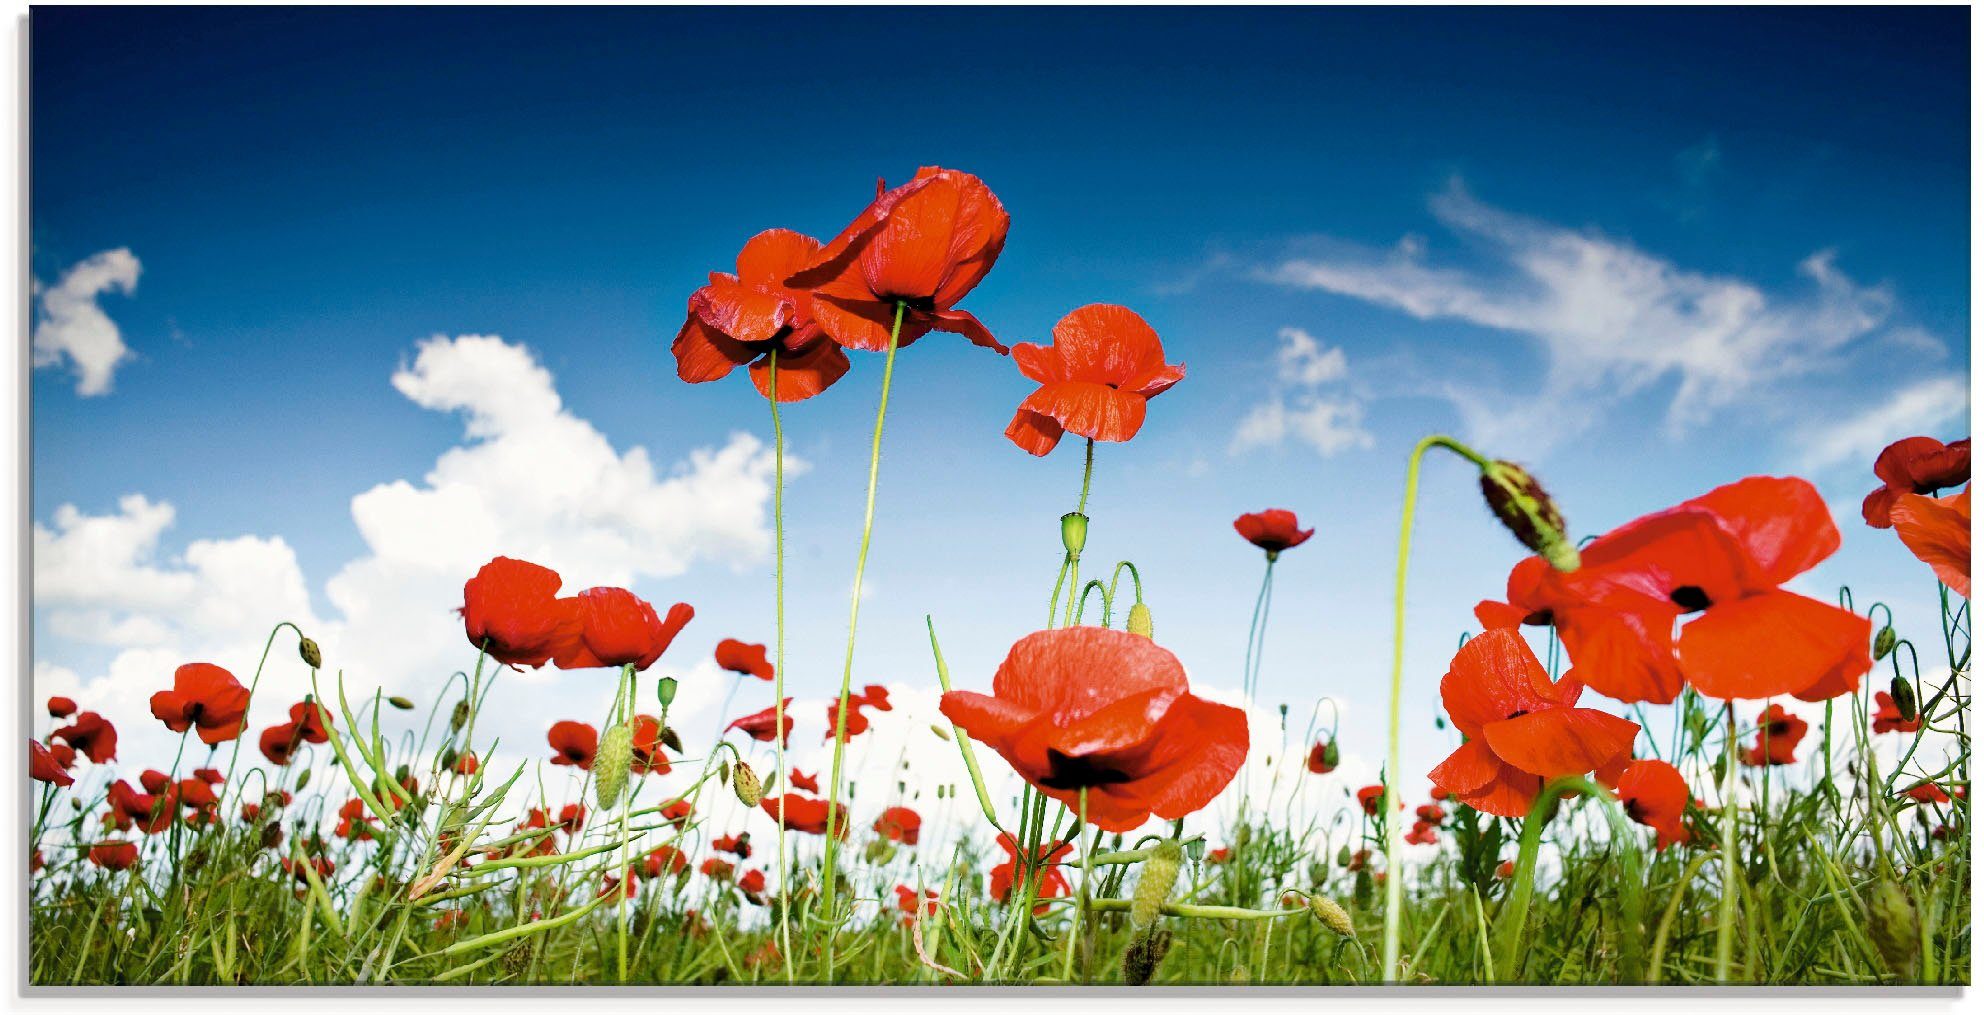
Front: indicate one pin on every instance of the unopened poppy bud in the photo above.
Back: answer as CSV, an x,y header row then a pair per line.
x,y
1527,511
942,734
1242,836
403,704
880,851
1884,642
403,775
1332,915
1895,925
1903,694
746,784
449,756
1074,532
1343,855
1141,960
1139,620
664,689
302,780
616,752
671,739
1332,754
312,655
723,770
459,717
272,835
1154,885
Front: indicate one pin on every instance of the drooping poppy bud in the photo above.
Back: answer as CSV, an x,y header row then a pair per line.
x,y
1141,960
1526,510
312,655
1074,532
1139,623
403,704
459,717
1903,693
749,788
1332,915
1884,642
671,739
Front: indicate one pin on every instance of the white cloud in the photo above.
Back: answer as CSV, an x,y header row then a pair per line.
x,y
1611,319
1295,407
71,327
1304,361
1918,408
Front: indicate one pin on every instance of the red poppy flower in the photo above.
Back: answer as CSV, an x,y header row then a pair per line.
x,y
1937,531
805,814
573,743
646,745
1104,365
720,870
42,766
1926,792
279,743
1441,793
1432,814
512,607
752,883
1053,884
1887,717
739,845
1323,757
743,318
1358,860
857,723
206,696
152,811
1368,798
1626,643
1521,729
300,871
1655,795
876,696
664,859
197,793
677,813
1273,530
312,722
115,856
619,628
1918,465
210,776
354,821
1423,834
900,824
572,818
800,780
465,764
743,658
61,708
626,880
760,726
1778,733
1223,854
924,244
1506,869
1106,711
91,734
909,902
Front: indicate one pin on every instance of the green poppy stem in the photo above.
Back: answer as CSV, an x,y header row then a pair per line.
x,y
1725,923
778,651
1514,915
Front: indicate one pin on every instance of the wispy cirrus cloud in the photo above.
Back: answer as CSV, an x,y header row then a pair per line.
x,y
1300,406
1917,408
70,326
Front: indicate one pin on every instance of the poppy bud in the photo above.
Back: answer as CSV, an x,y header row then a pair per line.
x,y
671,739
1146,951
403,704
459,717
746,784
1896,927
1242,836
196,859
312,655
1331,754
942,734
1903,693
609,766
880,851
1074,532
1154,885
1884,642
664,689
723,771
1332,915
1527,511
1139,620
272,835
449,757
1343,855
302,780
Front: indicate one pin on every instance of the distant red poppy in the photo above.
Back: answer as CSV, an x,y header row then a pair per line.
x,y
924,245
1088,708
619,628
1926,792
626,881
312,722
647,757
465,764
1053,884
900,824
761,726
720,870
909,902
91,734
800,780
572,819
279,743
857,723
738,845
115,856
1423,834
1273,530
1358,860
354,820
1778,733
876,696
1914,465
1937,531
1441,793
42,766
1521,729
573,743
512,607
664,859
300,871
677,813
752,883
1105,363
1323,757
1887,716
210,776
743,658
1223,854
1655,795
1368,798
1506,869
805,814
1432,814
61,708
744,318
205,696
129,807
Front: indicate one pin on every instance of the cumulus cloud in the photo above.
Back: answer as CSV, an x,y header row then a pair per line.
x,y
71,328
1857,439
1298,408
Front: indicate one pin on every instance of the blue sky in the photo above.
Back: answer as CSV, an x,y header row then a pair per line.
x,y
1646,252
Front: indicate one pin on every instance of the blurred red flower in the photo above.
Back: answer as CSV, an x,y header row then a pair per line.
x,y
1926,792
61,708
1368,798
1423,834
646,745
573,743
743,318
115,856
1053,884
1432,814
42,766
752,883
1914,465
1887,717
1778,733
1937,531
805,814
739,845
1104,365
899,824
205,696
1322,757
743,658
512,607
664,859
800,780
618,628
91,734
909,902
760,725
1273,530
279,743
720,870
1655,795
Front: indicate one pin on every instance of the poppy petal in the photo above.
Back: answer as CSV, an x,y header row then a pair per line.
x,y
1058,672
1562,741
801,375
864,324
1468,769
1781,523
1035,433
748,314
1937,531
1772,644
1093,410
961,322
772,256
1628,656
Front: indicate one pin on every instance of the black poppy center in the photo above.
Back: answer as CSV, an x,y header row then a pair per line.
x,y
1690,598
1518,713
1635,811
1541,618
1066,771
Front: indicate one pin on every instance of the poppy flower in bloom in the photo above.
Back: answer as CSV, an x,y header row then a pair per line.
x,y
1926,792
115,856
752,883
205,696
619,628
739,845
909,902
1273,530
572,819
876,696
720,870
1053,884
646,747
1104,365
1778,733
279,743
744,318
1887,717
573,743
91,734
1506,869
1937,531
61,708
1432,814
1423,834
311,721
42,766
760,726
1655,795
857,723
805,814
923,245
1368,798
664,860
800,780
678,813
1521,729
152,811
627,884
899,824
1223,854
1088,708
1720,559
743,658
1323,757
512,608
301,871
1914,465
354,821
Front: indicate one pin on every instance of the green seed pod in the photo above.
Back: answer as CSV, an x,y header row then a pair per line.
x,y
1154,885
459,717
1074,532
1141,960
1884,642
748,787
312,655
302,780
609,767
942,733
664,689
403,704
1903,694
879,851
1139,622
1332,915
1526,510
1895,925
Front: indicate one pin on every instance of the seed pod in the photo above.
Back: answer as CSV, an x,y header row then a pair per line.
x,y
1074,532
1242,836
1332,915
302,780
942,733
1141,960
1896,927
459,717
1139,622
1903,694
403,704
1343,855
616,752
746,784
879,851
664,691
1154,885
1884,642
671,739
312,655
1526,510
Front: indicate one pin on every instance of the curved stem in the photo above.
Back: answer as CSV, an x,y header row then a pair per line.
x,y
778,651
1514,914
